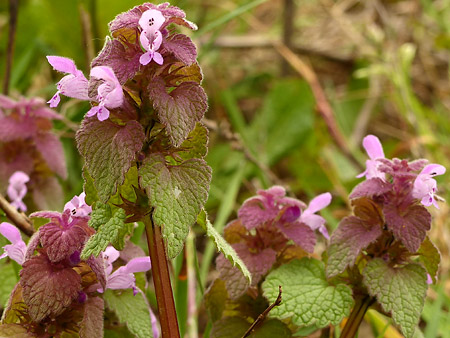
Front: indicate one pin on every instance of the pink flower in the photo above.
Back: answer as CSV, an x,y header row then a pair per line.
x,y
78,207
374,149
17,189
123,277
425,186
151,38
314,221
16,251
73,85
110,93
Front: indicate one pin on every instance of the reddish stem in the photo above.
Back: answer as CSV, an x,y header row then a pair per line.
x,y
356,316
161,280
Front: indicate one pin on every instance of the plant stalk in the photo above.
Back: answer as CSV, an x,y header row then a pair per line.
x,y
356,316
161,280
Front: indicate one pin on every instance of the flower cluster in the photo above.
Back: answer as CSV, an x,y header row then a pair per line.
x,y
30,153
270,224
389,207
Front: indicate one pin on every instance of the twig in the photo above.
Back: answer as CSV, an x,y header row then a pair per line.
x,y
18,218
13,12
263,315
288,29
323,105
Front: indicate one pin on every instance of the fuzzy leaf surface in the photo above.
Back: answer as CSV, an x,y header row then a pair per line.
x,y
180,110
235,327
400,291
430,257
307,296
89,188
92,323
352,235
222,245
15,331
408,225
178,193
196,144
182,47
113,231
131,310
371,187
109,151
258,263
215,299
41,287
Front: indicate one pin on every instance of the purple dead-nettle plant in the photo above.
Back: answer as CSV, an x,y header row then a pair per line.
x,y
269,225
28,145
382,250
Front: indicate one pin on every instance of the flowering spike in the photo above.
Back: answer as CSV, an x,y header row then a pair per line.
x,y
17,189
16,251
110,92
73,85
425,186
374,149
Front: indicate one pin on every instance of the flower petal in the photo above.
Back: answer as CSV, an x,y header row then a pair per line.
x,y
373,147
319,202
62,64
138,264
10,232
433,170
151,21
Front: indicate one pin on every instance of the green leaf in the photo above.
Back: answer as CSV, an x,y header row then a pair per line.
x,y
109,151
430,257
113,231
131,310
196,144
100,215
215,299
89,188
235,327
400,291
7,281
307,296
126,190
222,245
178,193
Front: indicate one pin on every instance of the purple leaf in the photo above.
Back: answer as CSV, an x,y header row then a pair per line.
x,y
409,224
92,323
352,235
257,263
371,187
109,151
13,128
47,290
123,61
256,211
97,265
180,110
301,234
182,48
52,152
62,240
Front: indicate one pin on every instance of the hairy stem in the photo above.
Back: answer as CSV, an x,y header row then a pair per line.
x,y
356,316
161,280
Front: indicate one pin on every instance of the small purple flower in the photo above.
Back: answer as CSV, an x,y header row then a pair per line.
x,y
17,189
16,251
314,221
374,149
110,92
425,186
73,85
78,207
123,277
151,38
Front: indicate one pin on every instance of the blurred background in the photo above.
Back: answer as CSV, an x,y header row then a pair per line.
x,y
293,88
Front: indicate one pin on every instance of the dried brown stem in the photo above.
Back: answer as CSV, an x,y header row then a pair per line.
x,y
13,12
263,315
19,219
323,106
